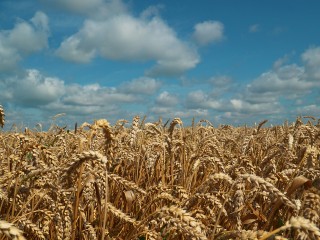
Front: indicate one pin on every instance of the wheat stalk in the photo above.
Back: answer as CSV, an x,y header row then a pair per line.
x,y
2,115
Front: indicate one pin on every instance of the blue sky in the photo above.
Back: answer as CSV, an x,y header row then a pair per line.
x,y
230,62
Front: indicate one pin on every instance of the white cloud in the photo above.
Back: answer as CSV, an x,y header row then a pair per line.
x,y
8,56
25,38
243,104
94,95
41,21
117,35
291,82
286,80
263,97
33,89
167,99
124,37
311,59
143,85
201,100
36,91
208,32
237,103
166,104
71,49
280,62
245,107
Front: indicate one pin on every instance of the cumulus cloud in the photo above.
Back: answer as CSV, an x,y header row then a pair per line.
x,y
201,100
124,37
143,85
25,38
41,21
271,93
311,59
284,84
280,62
32,89
287,79
167,99
92,101
94,95
208,32
169,105
8,56
166,104
246,107
70,49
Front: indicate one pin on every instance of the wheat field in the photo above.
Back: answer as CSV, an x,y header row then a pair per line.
x,y
139,180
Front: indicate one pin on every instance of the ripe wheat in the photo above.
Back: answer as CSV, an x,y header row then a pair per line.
x,y
161,181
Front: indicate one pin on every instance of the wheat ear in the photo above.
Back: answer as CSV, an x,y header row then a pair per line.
x,y
269,187
296,222
11,231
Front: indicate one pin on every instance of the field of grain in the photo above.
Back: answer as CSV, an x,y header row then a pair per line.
x,y
161,180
